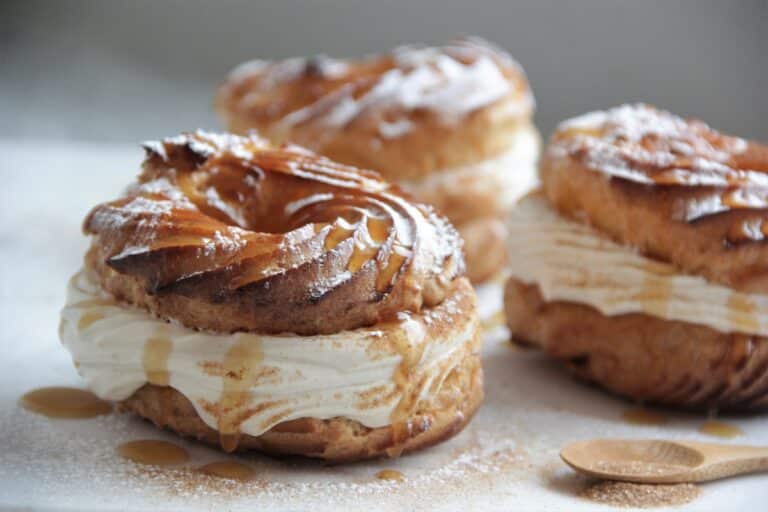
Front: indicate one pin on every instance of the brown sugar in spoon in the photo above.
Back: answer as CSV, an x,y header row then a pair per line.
x,y
662,462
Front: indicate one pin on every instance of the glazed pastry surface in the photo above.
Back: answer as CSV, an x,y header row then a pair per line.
x,y
274,239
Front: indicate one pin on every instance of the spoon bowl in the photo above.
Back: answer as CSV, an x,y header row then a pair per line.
x,y
660,461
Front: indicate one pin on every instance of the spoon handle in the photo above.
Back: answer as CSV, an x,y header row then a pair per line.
x,y
722,460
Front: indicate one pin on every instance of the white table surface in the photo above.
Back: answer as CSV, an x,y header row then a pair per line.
x,y
505,460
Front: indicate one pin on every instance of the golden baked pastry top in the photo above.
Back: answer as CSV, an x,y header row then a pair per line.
x,y
232,233
648,146
674,188
404,113
380,92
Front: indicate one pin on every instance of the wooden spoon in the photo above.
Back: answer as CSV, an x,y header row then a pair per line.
x,y
661,462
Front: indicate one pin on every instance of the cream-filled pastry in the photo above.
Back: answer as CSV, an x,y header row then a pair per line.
x,y
451,124
263,297
641,262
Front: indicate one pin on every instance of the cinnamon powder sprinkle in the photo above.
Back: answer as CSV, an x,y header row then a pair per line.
x,y
627,494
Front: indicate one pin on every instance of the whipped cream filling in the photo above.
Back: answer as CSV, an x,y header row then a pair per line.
x,y
573,262
263,380
506,177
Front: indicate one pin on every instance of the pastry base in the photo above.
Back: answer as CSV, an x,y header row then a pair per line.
x,y
336,439
644,357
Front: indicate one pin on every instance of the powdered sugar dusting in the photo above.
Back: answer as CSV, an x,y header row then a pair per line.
x,y
507,456
450,81
642,144
87,463
201,200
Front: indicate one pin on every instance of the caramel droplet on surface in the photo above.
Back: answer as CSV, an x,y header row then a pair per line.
x,y
153,452
720,429
229,470
390,474
640,416
63,402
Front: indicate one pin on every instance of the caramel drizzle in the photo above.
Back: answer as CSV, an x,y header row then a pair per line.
x,y
713,173
89,318
211,227
654,295
743,313
241,367
157,351
411,352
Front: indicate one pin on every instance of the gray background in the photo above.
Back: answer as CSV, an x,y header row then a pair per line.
x,y
134,70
